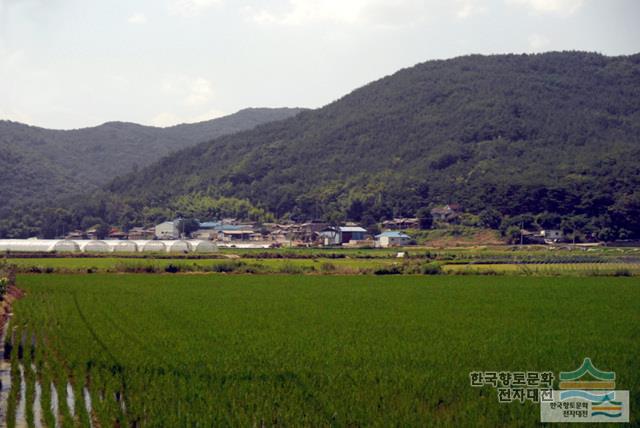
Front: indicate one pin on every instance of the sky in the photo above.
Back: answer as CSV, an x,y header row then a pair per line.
x,y
75,63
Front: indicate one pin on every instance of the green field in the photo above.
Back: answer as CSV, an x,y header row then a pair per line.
x,y
313,350
154,265
457,264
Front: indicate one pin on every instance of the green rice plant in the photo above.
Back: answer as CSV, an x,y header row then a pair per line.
x,y
318,350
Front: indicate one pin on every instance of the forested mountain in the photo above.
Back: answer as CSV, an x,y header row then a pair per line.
x,y
555,135
37,163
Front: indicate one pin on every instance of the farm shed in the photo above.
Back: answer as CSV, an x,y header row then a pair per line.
x,y
93,246
342,234
177,246
199,246
119,246
151,246
38,245
392,239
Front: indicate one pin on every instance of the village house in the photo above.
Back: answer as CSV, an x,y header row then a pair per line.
x,y
551,236
92,233
401,224
116,233
140,233
75,234
300,232
341,235
167,230
207,230
392,239
446,213
238,235
205,234
545,236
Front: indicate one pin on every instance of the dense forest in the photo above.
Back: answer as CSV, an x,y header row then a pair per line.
x,y
548,138
38,164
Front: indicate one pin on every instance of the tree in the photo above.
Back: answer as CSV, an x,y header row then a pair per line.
x,y
513,235
103,230
187,225
490,218
425,218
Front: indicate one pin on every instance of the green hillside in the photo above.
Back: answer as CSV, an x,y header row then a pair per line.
x,y
555,135
42,164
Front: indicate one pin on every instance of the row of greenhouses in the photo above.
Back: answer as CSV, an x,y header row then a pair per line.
x,y
105,246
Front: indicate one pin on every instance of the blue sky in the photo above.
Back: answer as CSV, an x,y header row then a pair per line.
x,y
75,63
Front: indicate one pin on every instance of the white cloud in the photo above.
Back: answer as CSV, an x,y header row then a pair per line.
x,y
190,8
200,91
538,42
301,12
563,7
137,19
208,115
192,91
376,12
467,8
165,119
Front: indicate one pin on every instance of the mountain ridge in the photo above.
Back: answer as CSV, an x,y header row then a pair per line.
x,y
40,163
553,135
474,129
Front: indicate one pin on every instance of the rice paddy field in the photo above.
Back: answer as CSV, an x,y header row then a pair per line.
x,y
306,350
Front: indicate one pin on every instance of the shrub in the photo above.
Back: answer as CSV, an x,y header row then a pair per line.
x,y
432,269
327,267
4,284
290,268
622,272
392,270
171,268
227,267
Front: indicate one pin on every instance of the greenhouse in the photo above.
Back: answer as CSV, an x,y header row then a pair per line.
x,y
93,246
118,246
199,246
38,245
177,246
151,246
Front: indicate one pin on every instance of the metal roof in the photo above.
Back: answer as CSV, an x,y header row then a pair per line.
x,y
352,229
393,234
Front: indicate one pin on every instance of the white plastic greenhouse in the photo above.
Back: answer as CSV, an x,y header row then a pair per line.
x,y
38,245
106,246
151,246
177,246
118,246
93,246
199,246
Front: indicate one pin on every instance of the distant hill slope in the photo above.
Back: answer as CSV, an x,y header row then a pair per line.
x,y
554,132
37,163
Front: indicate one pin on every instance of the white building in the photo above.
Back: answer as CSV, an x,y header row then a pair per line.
x,y
342,235
551,236
167,230
392,239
